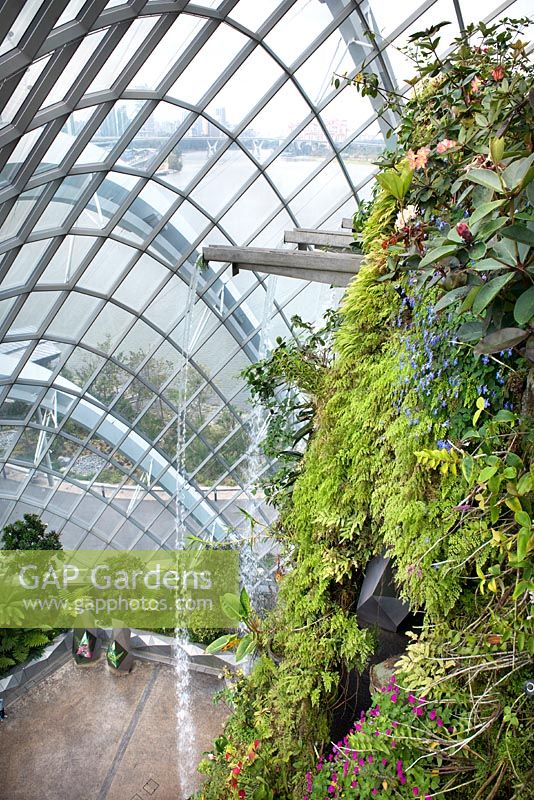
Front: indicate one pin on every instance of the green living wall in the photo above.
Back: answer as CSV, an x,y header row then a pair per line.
x,y
405,426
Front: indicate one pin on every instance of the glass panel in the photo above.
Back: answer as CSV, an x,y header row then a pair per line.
x,y
145,212
333,56
223,180
386,19
109,383
107,266
13,36
167,52
141,282
198,144
71,535
81,366
309,19
122,53
40,488
70,12
165,308
112,192
136,346
252,14
73,316
206,67
19,213
32,314
62,203
346,113
246,86
275,122
65,139
66,260
25,263
110,131
108,328
144,148
155,419
273,234
319,195
133,400
19,155
299,159
26,84
250,210
72,70
185,226
15,408
26,446
162,365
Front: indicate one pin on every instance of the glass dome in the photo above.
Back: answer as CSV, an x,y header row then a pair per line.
x,y
133,134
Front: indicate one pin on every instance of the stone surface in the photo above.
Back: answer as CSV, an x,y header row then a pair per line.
x,y
81,734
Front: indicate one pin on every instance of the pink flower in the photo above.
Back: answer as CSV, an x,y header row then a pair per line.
x,y
419,159
445,145
432,714
415,791
439,722
393,698
476,83
497,74
412,699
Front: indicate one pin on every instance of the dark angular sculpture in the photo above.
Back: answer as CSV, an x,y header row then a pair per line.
x,y
378,603
85,646
118,655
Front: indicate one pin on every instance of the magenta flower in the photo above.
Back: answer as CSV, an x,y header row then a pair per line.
x,y
439,722
412,699
393,698
415,791
432,715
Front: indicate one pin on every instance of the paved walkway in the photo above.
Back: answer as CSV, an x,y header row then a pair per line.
x,y
86,734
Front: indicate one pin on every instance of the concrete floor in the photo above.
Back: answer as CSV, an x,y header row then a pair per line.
x,y
85,734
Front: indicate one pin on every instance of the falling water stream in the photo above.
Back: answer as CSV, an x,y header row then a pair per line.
x,y
185,732
252,573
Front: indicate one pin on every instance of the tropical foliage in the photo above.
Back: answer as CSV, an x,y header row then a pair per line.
x,y
420,443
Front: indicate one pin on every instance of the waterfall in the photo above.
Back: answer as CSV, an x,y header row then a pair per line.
x,y
184,711
252,573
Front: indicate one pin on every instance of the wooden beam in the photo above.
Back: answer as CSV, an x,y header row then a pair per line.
x,y
308,236
336,269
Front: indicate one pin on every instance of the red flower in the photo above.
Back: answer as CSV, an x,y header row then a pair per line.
x,y
498,73
241,794
463,230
